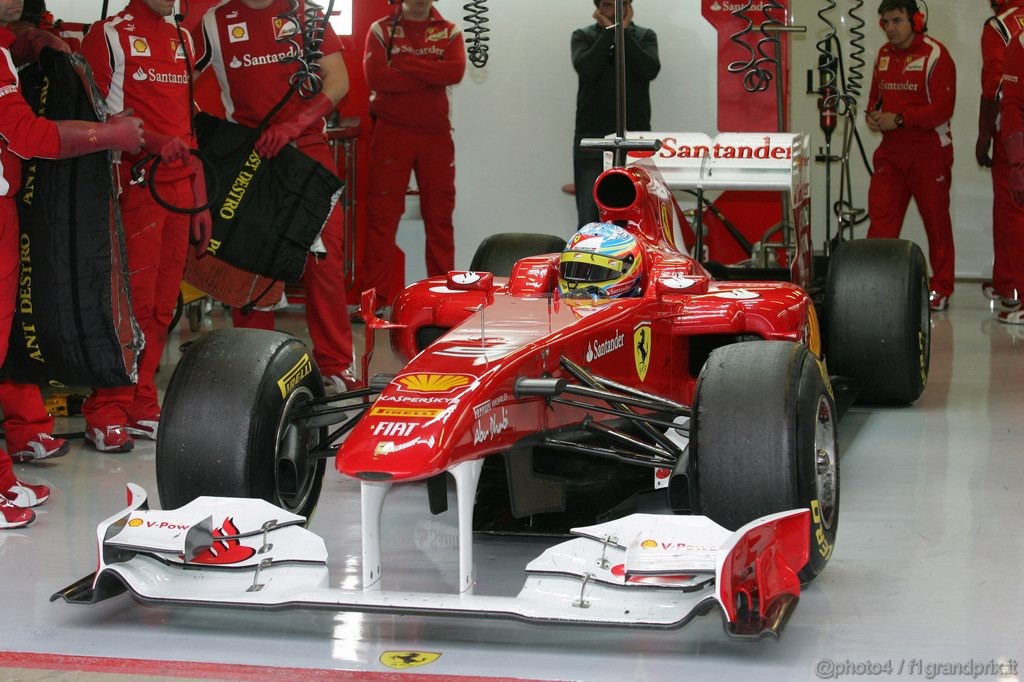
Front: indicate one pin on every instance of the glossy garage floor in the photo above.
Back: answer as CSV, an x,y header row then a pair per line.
x,y
926,570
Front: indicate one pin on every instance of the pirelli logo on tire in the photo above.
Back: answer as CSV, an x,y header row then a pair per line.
x,y
296,374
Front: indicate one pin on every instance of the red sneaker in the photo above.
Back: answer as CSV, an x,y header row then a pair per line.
x,y
26,495
43,446
110,439
14,517
145,428
937,302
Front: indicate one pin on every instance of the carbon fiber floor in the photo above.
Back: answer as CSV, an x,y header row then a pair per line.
x,y
925,572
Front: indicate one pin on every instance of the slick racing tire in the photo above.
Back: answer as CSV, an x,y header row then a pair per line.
x,y
878,327
498,253
226,428
763,439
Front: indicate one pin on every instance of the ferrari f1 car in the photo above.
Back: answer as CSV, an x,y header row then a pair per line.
x,y
552,413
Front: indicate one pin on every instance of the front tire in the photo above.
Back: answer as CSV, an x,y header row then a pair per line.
x,y
227,426
764,440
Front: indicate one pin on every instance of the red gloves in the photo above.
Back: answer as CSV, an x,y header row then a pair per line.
x,y
201,223
169,148
120,133
275,137
1013,145
987,114
29,42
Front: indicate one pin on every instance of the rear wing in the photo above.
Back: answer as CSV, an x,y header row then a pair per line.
x,y
778,162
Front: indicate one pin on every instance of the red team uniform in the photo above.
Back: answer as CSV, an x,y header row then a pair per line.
x,y
139,63
916,160
245,47
409,72
23,135
1007,218
1011,111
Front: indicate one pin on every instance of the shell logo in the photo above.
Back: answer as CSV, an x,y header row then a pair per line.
x,y
649,544
135,523
237,32
139,46
433,383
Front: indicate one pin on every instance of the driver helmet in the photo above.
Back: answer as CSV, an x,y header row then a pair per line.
x,y
601,260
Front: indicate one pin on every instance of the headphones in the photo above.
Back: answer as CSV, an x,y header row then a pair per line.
x,y
918,20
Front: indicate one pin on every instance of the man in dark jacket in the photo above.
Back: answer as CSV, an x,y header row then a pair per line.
x,y
593,57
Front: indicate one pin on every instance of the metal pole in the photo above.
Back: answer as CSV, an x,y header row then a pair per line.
x,y
620,84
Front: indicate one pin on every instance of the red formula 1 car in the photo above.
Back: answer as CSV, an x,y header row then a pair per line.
x,y
551,413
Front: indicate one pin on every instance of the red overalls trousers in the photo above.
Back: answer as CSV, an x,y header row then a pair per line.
x,y
925,173
395,152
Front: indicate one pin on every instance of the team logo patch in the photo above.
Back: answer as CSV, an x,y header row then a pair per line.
x,y
283,28
883,64
437,34
642,349
238,33
408,659
177,49
433,383
139,46
914,64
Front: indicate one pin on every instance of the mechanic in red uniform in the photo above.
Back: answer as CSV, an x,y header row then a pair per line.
x,y
913,91
1011,122
23,135
1007,218
27,425
141,61
413,56
246,41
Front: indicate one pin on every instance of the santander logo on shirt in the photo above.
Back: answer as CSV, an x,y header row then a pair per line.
x,y
248,60
155,76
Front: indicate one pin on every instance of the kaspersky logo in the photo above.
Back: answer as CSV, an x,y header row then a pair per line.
x,y
433,383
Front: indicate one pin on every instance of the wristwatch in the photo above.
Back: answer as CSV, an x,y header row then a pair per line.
x,y
899,120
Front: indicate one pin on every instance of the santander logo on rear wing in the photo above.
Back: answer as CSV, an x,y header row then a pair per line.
x,y
777,162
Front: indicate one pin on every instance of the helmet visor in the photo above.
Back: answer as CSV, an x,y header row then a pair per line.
x,y
580,266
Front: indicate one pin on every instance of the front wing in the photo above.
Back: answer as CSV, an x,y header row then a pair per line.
x,y
643,570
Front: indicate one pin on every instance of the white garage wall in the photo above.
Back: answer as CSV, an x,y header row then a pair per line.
x,y
514,118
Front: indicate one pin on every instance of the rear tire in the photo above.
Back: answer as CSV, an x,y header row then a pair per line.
x,y
763,439
498,253
878,327
226,426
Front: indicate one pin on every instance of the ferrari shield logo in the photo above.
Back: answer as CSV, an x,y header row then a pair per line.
x,y
400,660
642,349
